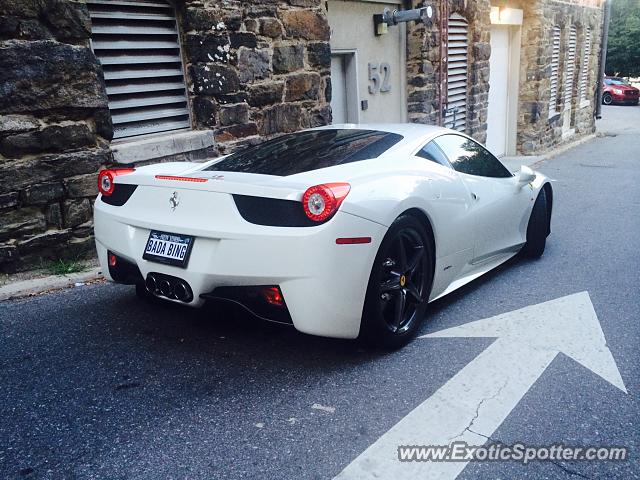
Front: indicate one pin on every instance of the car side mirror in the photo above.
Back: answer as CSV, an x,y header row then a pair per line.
x,y
526,175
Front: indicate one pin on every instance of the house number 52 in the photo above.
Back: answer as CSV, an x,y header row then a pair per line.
x,y
377,84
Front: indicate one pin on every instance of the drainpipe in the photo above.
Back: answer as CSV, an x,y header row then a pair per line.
x,y
442,67
603,57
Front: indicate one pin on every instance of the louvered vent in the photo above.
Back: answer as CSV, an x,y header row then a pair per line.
x,y
457,48
137,43
555,64
570,69
586,54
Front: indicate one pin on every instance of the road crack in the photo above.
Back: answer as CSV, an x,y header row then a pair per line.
x,y
568,470
477,414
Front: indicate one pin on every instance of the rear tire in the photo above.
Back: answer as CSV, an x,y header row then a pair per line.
x,y
399,285
607,99
537,228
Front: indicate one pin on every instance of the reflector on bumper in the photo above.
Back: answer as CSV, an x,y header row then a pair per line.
x,y
264,301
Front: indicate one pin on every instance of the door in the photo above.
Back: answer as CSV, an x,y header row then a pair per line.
x,y
499,202
570,69
500,206
344,87
338,89
498,114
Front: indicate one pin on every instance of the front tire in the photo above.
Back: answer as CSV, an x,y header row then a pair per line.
x,y
607,99
537,228
399,285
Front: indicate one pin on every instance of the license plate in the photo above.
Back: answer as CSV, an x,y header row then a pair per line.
x,y
168,248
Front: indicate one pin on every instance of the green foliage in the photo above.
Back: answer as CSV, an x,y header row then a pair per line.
x,y
623,51
65,267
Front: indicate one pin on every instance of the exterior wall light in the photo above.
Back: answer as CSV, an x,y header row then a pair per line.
x,y
388,17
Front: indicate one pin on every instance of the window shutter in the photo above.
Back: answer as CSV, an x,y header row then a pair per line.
x,y
457,57
555,63
584,77
570,68
138,45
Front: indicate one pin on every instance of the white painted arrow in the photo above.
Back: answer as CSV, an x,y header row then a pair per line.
x,y
472,404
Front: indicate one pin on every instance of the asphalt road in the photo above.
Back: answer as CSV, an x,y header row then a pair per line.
x,y
96,384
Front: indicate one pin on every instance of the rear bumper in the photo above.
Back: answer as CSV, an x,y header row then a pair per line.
x,y
323,284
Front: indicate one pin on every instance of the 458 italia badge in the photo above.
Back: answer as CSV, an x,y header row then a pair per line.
x,y
174,200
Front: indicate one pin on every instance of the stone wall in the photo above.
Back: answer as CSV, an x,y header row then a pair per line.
x,y
254,69
54,132
537,131
423,65
257,68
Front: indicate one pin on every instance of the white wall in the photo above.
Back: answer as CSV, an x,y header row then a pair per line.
x,y
351,25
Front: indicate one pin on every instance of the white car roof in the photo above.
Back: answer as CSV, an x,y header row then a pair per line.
x,y
405,129
414,134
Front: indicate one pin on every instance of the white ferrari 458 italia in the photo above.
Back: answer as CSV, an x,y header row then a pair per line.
x,y
343,231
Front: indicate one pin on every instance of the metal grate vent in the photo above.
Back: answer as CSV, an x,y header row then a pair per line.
x,y
586,54
570,69
555,64
457,66
137,43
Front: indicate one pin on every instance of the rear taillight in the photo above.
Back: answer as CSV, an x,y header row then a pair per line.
x,y
273,296
321,201
106,178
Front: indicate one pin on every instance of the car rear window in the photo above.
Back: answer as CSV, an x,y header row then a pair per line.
x,y
309,150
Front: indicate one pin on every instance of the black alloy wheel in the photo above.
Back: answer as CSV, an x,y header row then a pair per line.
x,y
402,285
399,285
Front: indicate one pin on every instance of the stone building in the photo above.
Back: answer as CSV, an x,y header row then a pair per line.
x,y
86,84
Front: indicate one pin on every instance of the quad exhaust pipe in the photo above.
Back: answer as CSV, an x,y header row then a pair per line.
x,y
182,291
151,283
170,287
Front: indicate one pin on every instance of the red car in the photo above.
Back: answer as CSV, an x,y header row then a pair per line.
x,y
616,90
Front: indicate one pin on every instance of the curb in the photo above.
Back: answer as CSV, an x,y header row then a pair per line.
x,y
513,162
564,148
35,286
